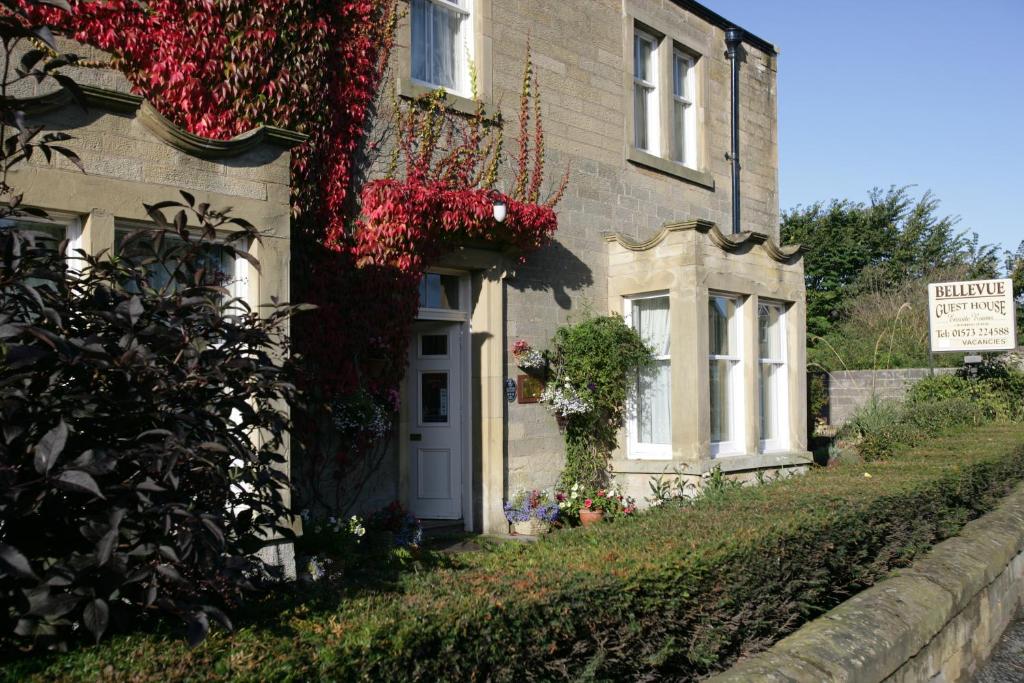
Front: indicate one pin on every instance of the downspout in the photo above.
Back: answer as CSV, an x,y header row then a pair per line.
x,y
733,38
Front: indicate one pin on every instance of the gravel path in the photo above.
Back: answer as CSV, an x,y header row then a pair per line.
x,y
1007,662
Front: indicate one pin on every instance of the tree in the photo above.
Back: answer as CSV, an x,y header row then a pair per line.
x,y
893,237
1015,271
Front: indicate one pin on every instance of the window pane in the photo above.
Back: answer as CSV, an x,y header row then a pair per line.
x,y
720,397
434,345
434,397
679,136
46,234
643,50
720,312
218,267
641,136
769,331
654,405
680,67
768,400
650,319
439,291
437,43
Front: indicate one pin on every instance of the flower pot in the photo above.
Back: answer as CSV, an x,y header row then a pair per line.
x,y
591,517
531,527
562,420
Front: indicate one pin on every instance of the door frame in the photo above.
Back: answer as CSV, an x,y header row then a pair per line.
x,y
461,318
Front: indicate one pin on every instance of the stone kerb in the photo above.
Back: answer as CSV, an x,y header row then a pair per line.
x,y
937,620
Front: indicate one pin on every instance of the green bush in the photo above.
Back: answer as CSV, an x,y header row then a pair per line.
x,y
997,390
671,594
880,428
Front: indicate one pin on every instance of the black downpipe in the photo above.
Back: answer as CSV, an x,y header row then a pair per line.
x,y
733,38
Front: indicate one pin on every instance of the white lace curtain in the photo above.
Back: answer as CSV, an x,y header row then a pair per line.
x,y
654,391
438,50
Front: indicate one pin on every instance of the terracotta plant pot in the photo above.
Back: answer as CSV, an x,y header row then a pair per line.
x,y
591,517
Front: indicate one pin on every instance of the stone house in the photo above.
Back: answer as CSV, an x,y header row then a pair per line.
x,y
134,156
638,100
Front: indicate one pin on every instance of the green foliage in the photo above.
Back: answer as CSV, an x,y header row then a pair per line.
x,y
935,405
600,356
143,431
672,594
897,236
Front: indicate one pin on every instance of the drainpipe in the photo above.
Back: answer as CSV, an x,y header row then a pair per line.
x,y
733,38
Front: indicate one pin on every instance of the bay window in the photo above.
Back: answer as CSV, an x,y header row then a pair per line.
x,y
442,44
645,92
773,387
650,418
726,374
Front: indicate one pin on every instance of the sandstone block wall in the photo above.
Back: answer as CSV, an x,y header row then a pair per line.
x,y
848,390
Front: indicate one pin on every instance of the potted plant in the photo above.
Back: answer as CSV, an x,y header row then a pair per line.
x,y
594,505
531,513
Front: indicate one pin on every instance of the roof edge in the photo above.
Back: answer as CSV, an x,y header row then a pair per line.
x,y
721,22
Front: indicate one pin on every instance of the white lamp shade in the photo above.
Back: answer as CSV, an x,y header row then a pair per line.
x,y
500,211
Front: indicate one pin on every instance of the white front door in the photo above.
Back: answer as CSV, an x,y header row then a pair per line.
x,y
435,420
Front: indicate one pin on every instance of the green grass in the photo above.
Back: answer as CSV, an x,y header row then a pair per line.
x,y
675,593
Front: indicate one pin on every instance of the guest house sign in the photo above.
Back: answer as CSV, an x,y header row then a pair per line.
x,y
972,316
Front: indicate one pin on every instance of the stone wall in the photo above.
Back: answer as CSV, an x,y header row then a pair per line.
x,y
848,390
937,620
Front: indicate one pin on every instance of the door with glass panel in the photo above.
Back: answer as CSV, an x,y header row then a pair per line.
x,y
435,421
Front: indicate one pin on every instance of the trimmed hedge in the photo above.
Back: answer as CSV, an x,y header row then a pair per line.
x,y
675,593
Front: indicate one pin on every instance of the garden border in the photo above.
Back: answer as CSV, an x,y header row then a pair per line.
x,y
939,619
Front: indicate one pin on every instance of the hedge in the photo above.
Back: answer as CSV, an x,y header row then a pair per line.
x,y
676,593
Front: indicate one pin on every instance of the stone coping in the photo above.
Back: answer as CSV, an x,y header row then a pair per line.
x,y
876,632
790,253
163,128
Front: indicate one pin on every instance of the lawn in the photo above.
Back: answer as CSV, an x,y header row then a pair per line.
x,y
677,592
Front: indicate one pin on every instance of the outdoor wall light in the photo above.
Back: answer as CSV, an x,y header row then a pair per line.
x,y
500,209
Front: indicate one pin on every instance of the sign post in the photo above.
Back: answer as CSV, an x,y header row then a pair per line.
x,y
971,317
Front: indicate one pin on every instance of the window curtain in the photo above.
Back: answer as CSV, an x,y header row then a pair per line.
x,y
437,52
654,395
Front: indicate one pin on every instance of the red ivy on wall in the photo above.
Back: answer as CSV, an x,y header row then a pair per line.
x,y
220,67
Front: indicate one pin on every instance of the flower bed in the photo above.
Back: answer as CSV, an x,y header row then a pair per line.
x,y
672,593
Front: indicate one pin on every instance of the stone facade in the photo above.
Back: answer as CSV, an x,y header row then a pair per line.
x,y
583,56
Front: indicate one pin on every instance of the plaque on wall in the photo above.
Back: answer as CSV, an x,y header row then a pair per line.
x,y
530,388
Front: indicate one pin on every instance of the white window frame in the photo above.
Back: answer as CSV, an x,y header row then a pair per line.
x,y
684,133
651,87
243,273
636,449
735,444
466,36
71,223
781,398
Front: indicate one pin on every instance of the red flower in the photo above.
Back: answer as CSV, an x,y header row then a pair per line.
x,y
587,503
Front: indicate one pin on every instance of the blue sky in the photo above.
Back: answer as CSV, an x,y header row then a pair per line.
x,y
906,92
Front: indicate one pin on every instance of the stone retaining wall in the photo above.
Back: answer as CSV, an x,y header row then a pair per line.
x,y
937,620
848,390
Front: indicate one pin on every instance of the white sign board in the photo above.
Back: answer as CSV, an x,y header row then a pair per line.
x,y
972,316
